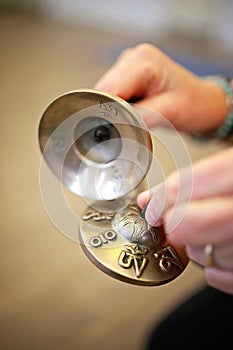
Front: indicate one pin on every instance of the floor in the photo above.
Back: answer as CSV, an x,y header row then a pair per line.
x,y
51,295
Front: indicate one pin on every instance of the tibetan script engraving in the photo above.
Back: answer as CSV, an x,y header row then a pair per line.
x,y
97,216
133,255
167,258
102,238
108,110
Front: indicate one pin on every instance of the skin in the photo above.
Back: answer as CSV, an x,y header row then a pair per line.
x,y
160,84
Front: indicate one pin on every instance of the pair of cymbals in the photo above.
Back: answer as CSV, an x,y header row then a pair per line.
x,y
98,147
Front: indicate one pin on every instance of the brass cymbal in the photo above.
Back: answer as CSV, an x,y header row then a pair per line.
x,y
95,143
99,148
125,247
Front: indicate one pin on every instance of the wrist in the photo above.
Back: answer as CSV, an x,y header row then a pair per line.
x,y
220,108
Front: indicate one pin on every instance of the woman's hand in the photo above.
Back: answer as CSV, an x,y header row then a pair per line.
x,y
144,73
196,208
199,216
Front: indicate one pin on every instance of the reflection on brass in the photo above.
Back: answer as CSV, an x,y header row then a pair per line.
x,y
127,248
97,145
131,225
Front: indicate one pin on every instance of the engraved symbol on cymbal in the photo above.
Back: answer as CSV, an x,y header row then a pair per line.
x,y
103,238
97,145
167,258
133,255
135,229
97,216
107,109
126,247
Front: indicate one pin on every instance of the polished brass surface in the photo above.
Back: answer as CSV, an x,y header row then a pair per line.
x,y
99,148
95,143
126,247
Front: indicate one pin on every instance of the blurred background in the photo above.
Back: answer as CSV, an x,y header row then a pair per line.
x,y
51,296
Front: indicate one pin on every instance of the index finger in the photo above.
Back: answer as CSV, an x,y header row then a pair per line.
x,y
131,75
209,177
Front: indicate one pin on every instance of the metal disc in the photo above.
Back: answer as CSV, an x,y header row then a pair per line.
x,y
126,247
95,143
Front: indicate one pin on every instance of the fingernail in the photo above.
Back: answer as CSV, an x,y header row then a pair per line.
x,y
100,88
152,219
143,212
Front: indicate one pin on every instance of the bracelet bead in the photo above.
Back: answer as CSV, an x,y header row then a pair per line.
x,y
226,129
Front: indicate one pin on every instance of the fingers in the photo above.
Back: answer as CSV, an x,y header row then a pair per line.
x,y
201,222
159,109
222,255
221,275
208,221
220,279
128,87
176,189
135,74
144,197
210,177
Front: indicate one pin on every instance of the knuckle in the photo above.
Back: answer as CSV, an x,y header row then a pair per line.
x,y
145,50
147,71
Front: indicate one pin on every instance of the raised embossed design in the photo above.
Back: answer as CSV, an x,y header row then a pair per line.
x,y
97,216
133,256
135,229
167,258
102,238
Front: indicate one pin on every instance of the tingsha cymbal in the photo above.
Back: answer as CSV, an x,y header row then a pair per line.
x,y
126,247
95,143
99,148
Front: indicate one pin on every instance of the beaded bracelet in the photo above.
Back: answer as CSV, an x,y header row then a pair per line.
x,y
226,129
